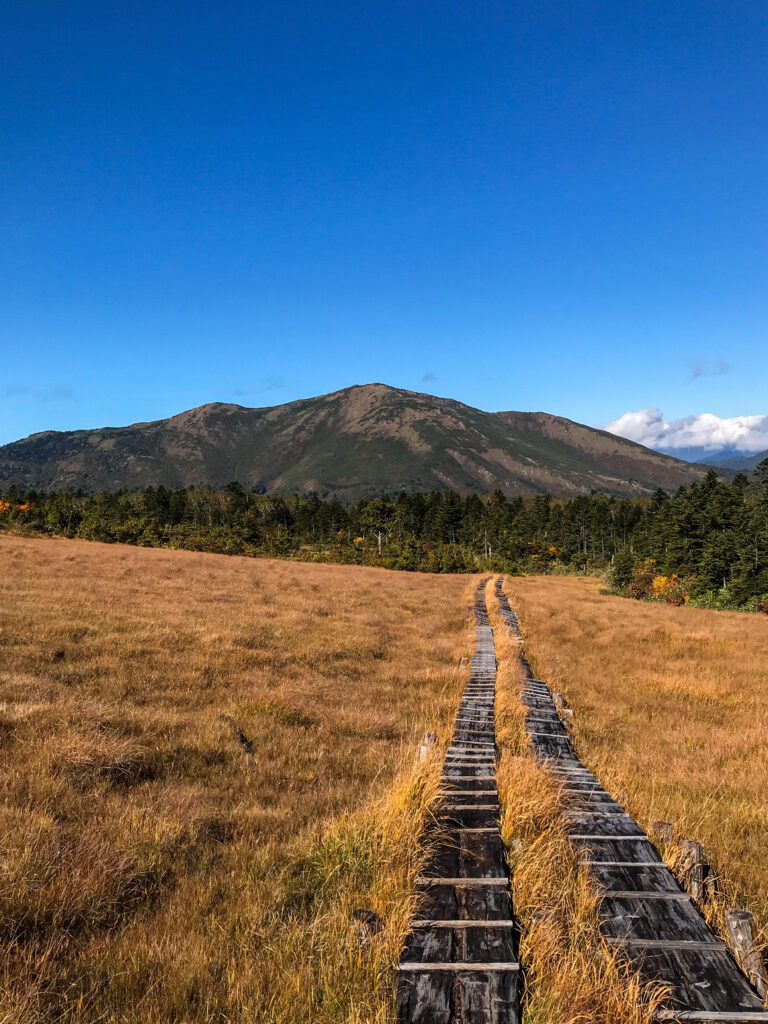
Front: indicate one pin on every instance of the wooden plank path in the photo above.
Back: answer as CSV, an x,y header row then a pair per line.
x,y
460,962
643,911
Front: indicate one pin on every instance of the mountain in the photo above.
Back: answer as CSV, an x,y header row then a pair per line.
x,y
352,443
744,463
710,457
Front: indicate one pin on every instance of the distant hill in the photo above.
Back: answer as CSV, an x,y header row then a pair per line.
x,y
711,457
352,443
741,463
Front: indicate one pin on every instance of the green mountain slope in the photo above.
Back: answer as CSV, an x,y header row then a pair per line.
x,y
352,443
741,463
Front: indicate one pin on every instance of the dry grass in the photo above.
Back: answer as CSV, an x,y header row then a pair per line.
x,y
151,869
671,707
571,978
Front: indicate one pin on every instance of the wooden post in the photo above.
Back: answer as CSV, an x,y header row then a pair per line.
x,y
663,831
743,936
692,868
427,745
712,886
365,924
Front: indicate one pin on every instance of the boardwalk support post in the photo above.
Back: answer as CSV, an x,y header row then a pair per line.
x,y
743,937
427,745
663,831
366,923
692,869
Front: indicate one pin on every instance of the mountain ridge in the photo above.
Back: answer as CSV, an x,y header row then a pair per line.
x,y
353,443
741,463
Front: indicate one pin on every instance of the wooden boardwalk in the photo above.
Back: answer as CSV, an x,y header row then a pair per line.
x,y
643,911
460,963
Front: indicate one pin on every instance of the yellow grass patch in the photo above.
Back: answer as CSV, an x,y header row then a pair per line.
x,y
671,707
153,870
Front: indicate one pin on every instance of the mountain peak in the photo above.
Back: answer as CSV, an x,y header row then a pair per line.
x,y
354,442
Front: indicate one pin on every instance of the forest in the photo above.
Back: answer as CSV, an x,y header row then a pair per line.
x,y
705,544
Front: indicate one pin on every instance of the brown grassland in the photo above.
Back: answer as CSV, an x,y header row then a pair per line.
x,y
671,708
153,870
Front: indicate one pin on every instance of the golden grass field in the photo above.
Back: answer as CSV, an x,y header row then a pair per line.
x,y
671,708
151,869
154,871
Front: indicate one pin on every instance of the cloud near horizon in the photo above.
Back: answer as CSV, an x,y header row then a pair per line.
x,y
706,431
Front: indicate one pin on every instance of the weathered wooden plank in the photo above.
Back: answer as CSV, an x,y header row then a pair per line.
x,y
577,814
468,792
626,864
454,965
641,894
430,880
744,937
468,787
655,922
449,806
433,923
692,945
609,827
465,902
593,838
465,853
717,1015
474,778
459,945
442,997
699,980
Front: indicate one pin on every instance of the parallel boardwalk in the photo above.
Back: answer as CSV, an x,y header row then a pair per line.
x,y
643,910
460,963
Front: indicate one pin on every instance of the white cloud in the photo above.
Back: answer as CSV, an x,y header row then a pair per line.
x,y
707,432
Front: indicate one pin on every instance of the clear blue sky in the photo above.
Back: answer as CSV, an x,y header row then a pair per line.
x,y
528,205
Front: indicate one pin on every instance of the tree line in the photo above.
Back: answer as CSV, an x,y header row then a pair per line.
x,y
706,543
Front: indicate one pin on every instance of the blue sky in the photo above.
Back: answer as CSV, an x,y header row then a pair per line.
x,y
533,205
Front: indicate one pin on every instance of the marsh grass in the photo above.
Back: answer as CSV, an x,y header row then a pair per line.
x,y
671,707
152,871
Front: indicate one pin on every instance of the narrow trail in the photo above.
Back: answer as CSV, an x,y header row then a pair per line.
x,y
460,963
643,912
